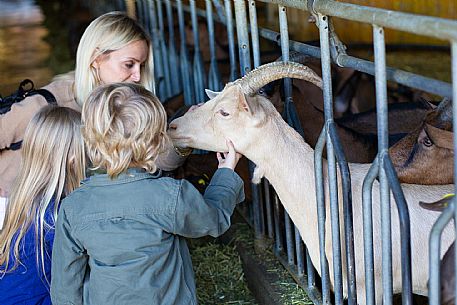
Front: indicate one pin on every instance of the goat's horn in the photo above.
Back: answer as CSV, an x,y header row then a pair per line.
x,y
445,110
267,73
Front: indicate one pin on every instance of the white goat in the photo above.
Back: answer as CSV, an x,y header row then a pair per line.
x,y
281,155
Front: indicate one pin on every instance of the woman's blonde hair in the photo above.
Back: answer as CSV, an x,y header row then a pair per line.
x,y
109,32
124,125
53,164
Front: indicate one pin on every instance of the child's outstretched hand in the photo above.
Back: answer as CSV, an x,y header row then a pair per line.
x,y
228,159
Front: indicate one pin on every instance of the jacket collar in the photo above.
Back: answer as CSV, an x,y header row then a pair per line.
x,y
132,174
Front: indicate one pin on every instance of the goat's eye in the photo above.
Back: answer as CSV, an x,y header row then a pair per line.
x,y
223,113
427,142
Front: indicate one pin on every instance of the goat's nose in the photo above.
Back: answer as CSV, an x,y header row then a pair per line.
x,y
173,126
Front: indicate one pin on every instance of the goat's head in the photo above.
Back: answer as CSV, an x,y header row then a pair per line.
x,y
235,112
425,156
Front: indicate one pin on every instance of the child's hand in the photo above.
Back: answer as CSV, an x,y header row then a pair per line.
x,y
228,159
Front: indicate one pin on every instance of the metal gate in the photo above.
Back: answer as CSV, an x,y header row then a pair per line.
x,y
177,73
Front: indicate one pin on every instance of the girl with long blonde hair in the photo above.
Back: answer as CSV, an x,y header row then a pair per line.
x,y
53,165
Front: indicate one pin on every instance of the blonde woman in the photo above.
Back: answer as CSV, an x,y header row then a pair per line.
x,y
113,48
52,166
128,224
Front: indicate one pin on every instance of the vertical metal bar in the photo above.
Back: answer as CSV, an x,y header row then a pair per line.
x,y
173,59
347,214
310,270
164,51
381,109
454,121
278,236
245,67
368,231
198,69
284,31
220,10
434,281
161,91
299,253
214,77
333,187
289,106
267,199
405,230
289,242
187,80
321,214
231,40
243,37
254,33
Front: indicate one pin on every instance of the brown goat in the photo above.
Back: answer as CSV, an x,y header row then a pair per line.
x,y
426,155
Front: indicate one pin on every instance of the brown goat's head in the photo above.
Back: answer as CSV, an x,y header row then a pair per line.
x,y
236,111
426,155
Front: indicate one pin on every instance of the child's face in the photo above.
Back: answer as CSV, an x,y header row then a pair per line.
x,y
123,65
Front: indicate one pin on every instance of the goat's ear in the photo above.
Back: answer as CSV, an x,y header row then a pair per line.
x,y
243,104
211,94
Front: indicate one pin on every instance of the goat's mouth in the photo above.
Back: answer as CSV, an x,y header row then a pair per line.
x,y
180,141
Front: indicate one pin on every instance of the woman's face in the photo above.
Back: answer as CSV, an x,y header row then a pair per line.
x,y
122,65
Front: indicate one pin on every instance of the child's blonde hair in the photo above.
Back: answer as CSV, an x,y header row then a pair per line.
x,y
124,125
53,164
109,32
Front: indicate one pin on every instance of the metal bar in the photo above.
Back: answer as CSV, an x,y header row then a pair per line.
x,y
243,37
278,236
289,238
198,69
320,201
332,184
254,33
347,212
231,40
299,253
417,24
310,271
214,77
173,59
454,121
368,252
164,52
381,109
434,251
187,80
284,36
405,230
161,91
267,199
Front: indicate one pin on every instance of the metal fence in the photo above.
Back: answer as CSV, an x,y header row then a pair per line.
x,y
177,73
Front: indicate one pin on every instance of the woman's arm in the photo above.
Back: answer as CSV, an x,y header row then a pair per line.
x,y
14,122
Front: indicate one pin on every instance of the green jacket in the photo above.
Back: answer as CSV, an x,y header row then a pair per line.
x,y
121,241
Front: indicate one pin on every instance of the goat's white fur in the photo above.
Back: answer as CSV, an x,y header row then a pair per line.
x,y
281,155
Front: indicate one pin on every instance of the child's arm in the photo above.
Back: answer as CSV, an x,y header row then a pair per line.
x,y
198,215
69,263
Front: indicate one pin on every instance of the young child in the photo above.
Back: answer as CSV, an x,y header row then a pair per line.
x,y
120,236
52,167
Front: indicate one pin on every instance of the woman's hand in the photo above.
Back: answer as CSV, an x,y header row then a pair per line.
x,y
228,159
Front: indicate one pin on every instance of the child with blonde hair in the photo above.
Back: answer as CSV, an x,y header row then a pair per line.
x,y
120,236
52,166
